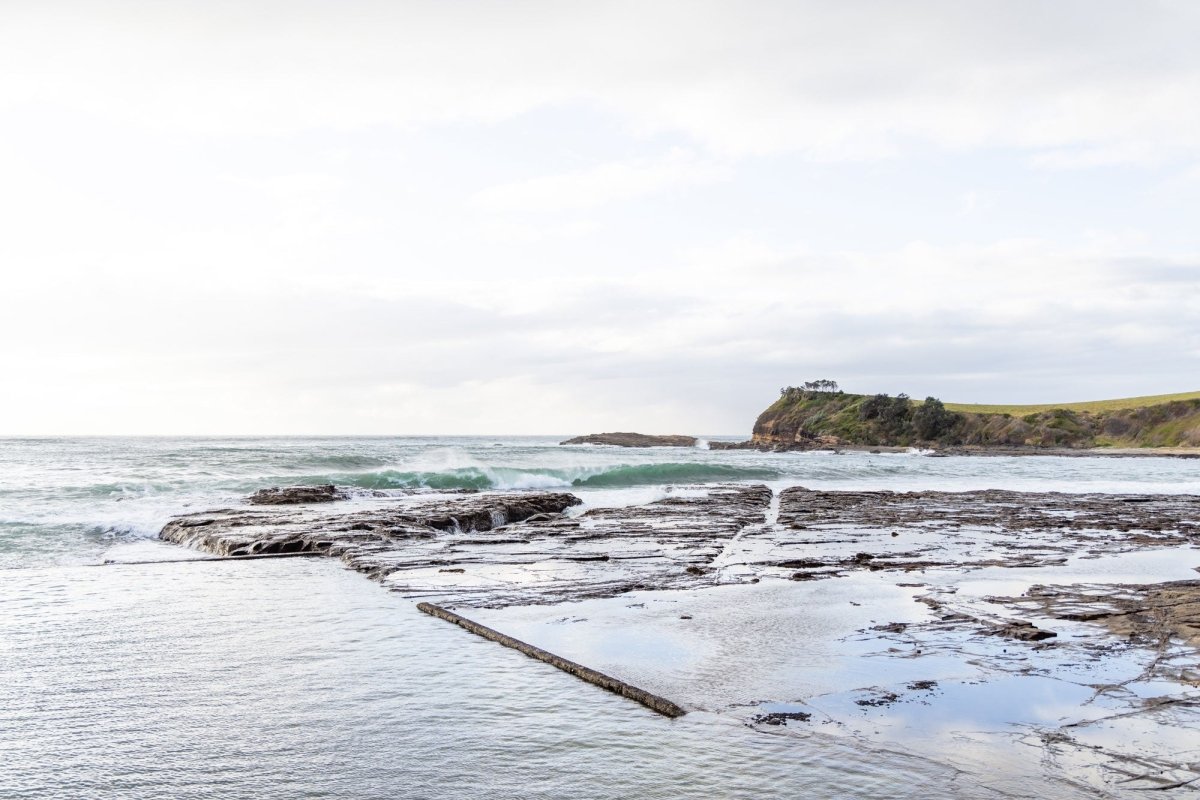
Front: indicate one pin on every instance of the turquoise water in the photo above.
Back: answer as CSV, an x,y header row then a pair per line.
x,y
65,500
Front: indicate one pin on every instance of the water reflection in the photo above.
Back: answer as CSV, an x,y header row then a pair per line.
x,y
298,679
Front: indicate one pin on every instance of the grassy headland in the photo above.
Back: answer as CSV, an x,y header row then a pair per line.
x,y
808,417
1089,406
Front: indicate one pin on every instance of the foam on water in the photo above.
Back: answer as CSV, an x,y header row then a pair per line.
x,y
62,500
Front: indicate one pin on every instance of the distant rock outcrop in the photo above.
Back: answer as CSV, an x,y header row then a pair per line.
x,y
634,440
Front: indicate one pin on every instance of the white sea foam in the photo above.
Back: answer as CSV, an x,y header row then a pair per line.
x,y
65,499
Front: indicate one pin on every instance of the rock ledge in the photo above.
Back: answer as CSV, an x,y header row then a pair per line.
x,y
634,440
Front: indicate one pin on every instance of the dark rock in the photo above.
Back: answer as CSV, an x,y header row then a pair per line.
x,y
747,445
634,440
1141,612
814,576
250,532
294,495
1024,631
781,717
975,528
550,557
881,699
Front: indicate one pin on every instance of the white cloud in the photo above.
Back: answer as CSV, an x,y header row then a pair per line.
x,y
600,185
832,81
966,323
384,217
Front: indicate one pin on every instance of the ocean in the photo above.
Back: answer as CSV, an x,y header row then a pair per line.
x,y
297,678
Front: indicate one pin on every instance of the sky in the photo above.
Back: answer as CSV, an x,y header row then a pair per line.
x,y
542,217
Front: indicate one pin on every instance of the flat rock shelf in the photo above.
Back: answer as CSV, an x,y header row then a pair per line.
x,y
1083,597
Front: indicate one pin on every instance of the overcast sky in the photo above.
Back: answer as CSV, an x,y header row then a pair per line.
x,y
458,217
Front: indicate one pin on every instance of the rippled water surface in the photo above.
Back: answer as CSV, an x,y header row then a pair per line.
x,y
294,678
286,679
64,500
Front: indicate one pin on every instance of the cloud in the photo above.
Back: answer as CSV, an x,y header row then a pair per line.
x,y
600,185
428,216
998,322
1074,83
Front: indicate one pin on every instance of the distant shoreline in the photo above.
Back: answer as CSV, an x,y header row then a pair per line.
x,y
677,441
1097,452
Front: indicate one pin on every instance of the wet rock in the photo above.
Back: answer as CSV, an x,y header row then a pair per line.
x,y
293,495
234,532
634,440
1025,631
519,547
975,529
1148,613
732,446
781,717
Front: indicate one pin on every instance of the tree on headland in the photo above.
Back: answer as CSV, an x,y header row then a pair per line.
x,y
891,414
874,406
931,420
819,385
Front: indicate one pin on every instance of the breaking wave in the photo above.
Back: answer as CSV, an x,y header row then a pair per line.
x,y
651,474
487,477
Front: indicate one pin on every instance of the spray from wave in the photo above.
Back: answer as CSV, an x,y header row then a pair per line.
x,y
487,477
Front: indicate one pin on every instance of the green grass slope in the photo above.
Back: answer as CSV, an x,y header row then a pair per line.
x,y
1091,406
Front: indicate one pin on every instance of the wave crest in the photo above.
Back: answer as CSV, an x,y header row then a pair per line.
x,y
651,474
485,477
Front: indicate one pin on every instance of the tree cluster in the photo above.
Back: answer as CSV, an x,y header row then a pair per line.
x,y
931,420
819,385
899,420
891,413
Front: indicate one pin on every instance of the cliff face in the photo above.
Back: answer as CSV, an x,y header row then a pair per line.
x,y
803,420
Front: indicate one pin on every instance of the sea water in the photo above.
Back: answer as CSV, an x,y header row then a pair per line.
x,y
297,678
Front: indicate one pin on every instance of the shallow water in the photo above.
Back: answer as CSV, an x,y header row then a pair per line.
x,y
296,678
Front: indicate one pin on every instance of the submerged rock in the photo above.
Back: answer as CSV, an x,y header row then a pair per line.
x,y
634,440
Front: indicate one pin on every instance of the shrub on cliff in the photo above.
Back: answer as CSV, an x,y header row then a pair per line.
x,y
931,421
